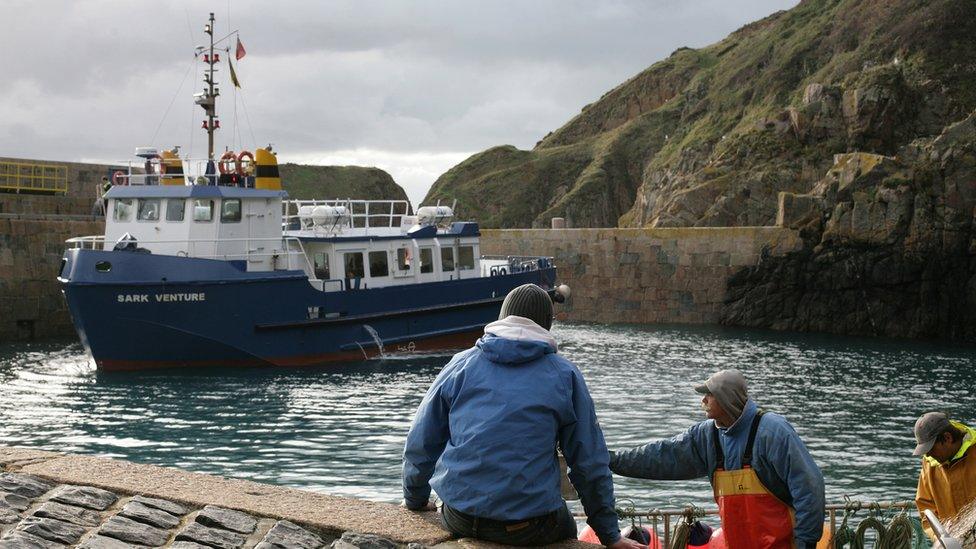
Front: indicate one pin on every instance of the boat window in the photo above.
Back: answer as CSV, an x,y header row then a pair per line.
x,y
447,259
148,209
466,258
123,209
322,266
175,209
354,264
230,210
404,260
203,210
379,265
426,260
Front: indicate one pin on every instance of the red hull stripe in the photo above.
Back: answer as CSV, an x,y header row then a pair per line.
x,y
440,343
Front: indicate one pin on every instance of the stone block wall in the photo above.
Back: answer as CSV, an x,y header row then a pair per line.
x,y
671,275
31,304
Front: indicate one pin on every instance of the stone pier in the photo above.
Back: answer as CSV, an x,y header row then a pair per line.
x,y
50,500
673,275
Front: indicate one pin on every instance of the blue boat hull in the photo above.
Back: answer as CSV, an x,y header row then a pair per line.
x,y
155,311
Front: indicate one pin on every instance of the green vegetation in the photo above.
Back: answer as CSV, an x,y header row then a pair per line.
x,y
328,182
710,136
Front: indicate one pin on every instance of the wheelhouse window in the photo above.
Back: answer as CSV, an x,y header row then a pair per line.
x,y
203,210
230,210
355,267
175,209
322,266
148,209
426,260
447,259
466,258
379,265
124,207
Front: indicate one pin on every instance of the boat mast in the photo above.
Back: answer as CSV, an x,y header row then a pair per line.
x,y
208,99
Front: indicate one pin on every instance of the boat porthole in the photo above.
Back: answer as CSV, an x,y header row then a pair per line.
x,y
103,266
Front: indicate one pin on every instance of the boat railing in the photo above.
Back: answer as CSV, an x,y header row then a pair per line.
x,y
364,214
494,265
289,255
664,521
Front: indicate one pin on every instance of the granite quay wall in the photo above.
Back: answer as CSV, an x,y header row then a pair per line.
x,y
673,275
31,304
48,499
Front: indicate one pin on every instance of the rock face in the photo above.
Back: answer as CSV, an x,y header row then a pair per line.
x,y
889,247
710,137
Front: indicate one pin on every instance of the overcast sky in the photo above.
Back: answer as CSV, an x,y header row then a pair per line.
x,y
412,87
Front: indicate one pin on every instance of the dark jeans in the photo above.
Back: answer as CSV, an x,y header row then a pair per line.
x,y
558,525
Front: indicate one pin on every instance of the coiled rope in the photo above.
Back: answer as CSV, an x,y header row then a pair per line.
x,y
902,532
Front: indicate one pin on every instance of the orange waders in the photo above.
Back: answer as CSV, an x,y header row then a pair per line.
x,y
752,517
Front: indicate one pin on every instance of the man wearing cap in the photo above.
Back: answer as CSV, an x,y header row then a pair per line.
x,y
947,481
486,434
769,491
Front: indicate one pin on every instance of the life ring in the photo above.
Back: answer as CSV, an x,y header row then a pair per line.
x,y
118,178
241,170
226,161
502,271
494,271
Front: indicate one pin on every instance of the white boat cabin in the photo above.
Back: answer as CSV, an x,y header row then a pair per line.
x,y
204,221
340,244
357,244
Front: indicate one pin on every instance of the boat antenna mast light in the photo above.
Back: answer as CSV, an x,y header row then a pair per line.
x,y
208,97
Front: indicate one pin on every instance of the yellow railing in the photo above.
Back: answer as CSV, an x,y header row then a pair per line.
x,y
30,177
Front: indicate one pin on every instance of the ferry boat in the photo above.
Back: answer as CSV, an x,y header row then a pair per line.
x,y
221,269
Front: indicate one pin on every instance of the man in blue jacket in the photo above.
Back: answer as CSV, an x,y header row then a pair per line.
x,y
486,434
769,491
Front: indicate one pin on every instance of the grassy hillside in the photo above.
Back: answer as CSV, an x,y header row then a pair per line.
x,y
329,182
711,136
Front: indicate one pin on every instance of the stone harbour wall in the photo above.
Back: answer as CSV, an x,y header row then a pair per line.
x,y
671,275
53,500
31,304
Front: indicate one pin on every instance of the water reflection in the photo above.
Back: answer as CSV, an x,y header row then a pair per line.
x,y
341,430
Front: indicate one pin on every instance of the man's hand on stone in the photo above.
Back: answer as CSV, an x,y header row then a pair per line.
x,y
626,543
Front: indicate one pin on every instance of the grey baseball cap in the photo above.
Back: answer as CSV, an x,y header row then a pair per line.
x,y
927,430
729,388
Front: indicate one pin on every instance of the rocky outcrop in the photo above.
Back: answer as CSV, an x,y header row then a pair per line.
x,y
711,137
889,248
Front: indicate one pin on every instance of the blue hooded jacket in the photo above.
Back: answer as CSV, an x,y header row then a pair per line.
x,y
486,434
780,460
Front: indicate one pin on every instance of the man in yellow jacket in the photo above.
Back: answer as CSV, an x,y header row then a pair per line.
x,y
948,478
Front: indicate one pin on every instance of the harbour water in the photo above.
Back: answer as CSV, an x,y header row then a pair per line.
x,y
340,430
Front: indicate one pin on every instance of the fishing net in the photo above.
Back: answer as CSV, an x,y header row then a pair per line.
x,y
963,526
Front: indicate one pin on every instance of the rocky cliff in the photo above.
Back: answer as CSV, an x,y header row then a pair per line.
x,y
710,137
330,182
890,247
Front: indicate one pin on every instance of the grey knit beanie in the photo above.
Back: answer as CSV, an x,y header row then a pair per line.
x,y
531,302
729,389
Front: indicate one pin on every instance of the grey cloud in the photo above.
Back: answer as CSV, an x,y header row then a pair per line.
x,y
92,79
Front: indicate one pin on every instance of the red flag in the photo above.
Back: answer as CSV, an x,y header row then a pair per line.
x,y
240,49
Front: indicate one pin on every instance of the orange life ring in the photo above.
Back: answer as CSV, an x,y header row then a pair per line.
x,y
240,163
118,178
224,164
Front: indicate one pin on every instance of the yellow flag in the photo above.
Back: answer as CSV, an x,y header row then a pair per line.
x,y
233,75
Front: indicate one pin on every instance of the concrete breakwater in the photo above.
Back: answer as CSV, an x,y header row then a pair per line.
x,y
52,500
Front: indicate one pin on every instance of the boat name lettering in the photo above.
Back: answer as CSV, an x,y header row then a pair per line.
x,y
161,298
